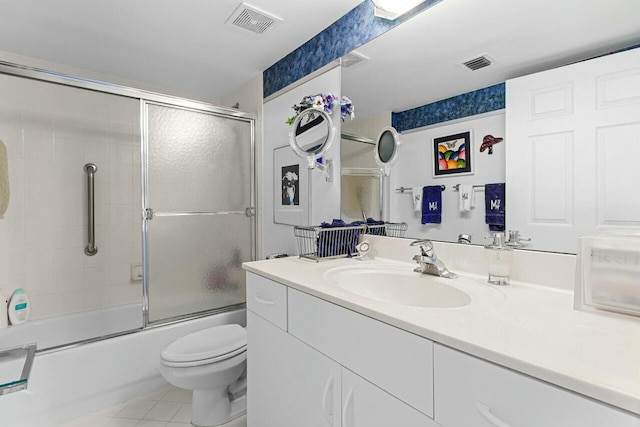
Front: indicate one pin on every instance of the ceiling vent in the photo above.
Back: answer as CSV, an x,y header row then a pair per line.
x,y
252,19
352,58
477,62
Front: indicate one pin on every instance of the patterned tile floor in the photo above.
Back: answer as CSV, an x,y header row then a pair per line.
x,y
167,407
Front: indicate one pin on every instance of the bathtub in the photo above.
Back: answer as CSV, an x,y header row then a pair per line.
x,y
72,382
73,328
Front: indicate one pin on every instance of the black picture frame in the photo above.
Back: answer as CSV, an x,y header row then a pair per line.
x,y
290,186
452,150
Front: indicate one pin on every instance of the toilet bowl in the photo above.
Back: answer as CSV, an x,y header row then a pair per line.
x,y
211,362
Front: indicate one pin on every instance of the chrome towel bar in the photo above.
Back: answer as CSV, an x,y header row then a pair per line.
x,y
407,189
91,249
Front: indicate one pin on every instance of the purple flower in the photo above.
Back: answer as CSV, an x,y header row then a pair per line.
x,y
323,102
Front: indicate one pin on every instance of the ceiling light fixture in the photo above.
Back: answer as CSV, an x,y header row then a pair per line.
x,y
393,9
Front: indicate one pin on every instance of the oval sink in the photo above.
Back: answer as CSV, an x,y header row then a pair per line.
x,y
398,285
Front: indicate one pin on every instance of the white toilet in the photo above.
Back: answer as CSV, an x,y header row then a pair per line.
x,y
211,362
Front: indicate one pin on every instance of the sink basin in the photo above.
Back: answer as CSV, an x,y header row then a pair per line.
x,y
397,285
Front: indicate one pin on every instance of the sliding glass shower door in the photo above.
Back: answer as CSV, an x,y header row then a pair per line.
x,y
199,201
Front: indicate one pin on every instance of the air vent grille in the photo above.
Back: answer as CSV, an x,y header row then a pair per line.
x,y
352,58
477,63
252,19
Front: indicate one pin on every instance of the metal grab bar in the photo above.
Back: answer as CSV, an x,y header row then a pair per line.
x,y
91,249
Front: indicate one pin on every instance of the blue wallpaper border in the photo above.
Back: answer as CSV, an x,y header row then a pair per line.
x,y
480,101
351,31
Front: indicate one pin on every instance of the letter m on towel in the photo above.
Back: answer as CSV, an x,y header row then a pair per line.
x,y
433,206
495,205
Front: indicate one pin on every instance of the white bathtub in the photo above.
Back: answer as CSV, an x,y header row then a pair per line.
x,y
72,328
72,382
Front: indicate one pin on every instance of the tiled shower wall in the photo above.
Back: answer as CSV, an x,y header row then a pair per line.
x,y
51,131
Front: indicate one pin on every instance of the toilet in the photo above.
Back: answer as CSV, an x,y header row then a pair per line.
x,y
211,362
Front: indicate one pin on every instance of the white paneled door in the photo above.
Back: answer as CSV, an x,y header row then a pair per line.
x,y
573,150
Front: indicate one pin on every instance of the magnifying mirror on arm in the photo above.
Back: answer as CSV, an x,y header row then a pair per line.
x,y
311,136
386,152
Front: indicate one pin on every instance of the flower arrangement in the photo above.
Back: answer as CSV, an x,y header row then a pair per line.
x,y
323,102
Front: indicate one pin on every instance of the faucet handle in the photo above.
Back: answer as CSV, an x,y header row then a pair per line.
x,y
514,239
426,247
419,242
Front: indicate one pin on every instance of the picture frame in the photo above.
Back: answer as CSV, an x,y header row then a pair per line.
x,y
452,155
291,188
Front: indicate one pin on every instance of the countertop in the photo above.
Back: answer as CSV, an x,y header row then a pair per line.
x,y
528,328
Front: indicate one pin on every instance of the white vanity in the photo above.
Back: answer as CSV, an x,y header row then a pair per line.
x,y
324,353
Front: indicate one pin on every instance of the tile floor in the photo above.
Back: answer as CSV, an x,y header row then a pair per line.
x,y
167,407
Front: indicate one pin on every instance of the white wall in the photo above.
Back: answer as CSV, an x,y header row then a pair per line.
x,y
356,154
51,131
325,196
415,169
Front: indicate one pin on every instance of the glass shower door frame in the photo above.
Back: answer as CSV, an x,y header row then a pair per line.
x,y
147,213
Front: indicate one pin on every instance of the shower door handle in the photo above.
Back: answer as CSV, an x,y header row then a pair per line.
x,y
91,249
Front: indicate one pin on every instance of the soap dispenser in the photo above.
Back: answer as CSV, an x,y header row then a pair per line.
x,y
498,256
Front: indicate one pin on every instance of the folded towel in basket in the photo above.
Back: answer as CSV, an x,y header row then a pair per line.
x,y
336,240
374,227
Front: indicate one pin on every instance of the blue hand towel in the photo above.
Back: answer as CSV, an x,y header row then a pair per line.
x,y
432,204
494,203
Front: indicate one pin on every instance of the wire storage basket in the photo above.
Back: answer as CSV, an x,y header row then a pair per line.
x,y
389,229
318,243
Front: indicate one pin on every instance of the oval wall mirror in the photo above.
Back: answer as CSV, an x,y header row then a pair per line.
x,y
386,151
311,135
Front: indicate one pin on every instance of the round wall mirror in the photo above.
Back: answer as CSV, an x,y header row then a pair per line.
x,y
311,134
386,151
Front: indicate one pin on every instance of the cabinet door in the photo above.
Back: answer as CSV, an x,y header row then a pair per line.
x,y
365,405
289,383
397,361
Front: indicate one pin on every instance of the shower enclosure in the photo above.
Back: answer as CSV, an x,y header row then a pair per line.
x,y
128,209
198,210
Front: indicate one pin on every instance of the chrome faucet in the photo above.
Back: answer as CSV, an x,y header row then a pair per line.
x,y
428,262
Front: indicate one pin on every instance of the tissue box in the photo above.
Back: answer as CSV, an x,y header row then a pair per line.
x,y
608,273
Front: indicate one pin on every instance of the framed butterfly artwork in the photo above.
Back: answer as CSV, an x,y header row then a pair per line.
x,y
452,155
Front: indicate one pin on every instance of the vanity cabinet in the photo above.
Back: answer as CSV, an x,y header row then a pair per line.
x,y
314,363
397,361
292,384
473,392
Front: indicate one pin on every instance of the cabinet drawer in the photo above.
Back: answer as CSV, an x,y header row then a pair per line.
x,y
397,361
267,299
473,392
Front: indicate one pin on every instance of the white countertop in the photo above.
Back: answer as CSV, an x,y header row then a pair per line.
x,y
530,329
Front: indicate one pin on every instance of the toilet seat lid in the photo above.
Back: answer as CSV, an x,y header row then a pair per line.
x,y
211,343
